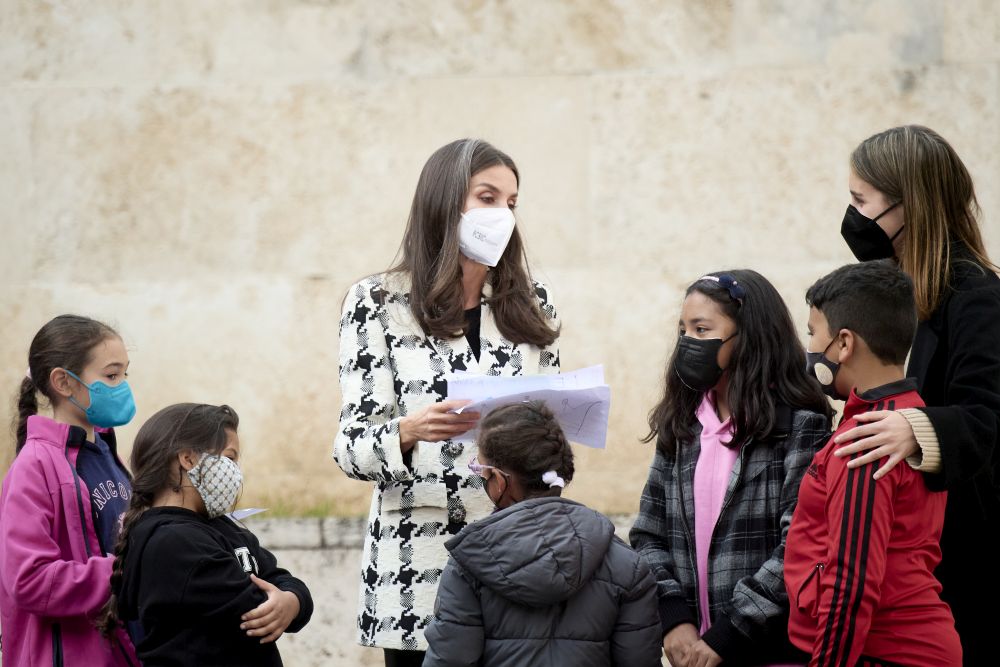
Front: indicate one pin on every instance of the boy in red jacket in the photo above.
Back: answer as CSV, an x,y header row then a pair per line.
x,y
861,552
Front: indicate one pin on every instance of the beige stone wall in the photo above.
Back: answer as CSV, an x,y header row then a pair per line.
x,y
210,176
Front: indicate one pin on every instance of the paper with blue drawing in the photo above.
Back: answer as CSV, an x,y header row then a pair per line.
x,y
580,400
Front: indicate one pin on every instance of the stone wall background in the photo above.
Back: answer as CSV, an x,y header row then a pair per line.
x,y
211,176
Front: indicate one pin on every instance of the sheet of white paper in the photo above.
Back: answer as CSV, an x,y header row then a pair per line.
x,y
580,400
476,387
239,515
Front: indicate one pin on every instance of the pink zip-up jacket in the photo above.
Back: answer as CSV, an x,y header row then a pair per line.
x,y
53,578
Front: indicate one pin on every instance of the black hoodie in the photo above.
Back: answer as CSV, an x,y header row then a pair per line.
x,y
187,579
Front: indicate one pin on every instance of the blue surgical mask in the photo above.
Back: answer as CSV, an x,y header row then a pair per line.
x,y
109,406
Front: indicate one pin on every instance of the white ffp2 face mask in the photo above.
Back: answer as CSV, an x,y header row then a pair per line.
x,y
484,233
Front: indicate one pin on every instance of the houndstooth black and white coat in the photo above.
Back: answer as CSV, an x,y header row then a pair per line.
x,y
388,369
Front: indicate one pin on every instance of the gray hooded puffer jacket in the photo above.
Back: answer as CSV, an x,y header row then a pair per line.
x,y
544,582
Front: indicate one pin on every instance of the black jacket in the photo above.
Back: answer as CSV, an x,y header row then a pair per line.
x,y
187,579
956,361
544,582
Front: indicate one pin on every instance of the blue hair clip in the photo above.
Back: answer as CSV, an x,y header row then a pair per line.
x,y
727,282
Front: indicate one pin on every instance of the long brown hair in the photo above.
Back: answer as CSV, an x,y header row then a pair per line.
x,y
430,255
766,369
916,166
66,341
195,426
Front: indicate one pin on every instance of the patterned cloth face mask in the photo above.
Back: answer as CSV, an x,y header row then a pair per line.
x,y
217,479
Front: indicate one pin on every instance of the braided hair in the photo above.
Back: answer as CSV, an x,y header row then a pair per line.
x,y
525,439
184,426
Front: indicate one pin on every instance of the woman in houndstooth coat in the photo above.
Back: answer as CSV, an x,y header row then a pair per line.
x,y
460,299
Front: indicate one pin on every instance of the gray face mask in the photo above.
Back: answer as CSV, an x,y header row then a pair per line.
x,y
217,480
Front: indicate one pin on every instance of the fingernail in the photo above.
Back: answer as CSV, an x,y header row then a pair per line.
x,y
243,626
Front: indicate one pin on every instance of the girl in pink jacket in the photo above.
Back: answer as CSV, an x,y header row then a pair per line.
x,y
62,500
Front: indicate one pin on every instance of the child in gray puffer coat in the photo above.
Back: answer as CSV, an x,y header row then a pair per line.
x,y
543,580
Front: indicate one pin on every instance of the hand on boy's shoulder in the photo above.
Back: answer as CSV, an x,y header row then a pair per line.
x,y
883,436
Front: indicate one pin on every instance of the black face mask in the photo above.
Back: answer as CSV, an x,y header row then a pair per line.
x,y
865,238
825,371
697,362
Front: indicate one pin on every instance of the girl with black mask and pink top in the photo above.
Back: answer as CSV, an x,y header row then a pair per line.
x,y
738,423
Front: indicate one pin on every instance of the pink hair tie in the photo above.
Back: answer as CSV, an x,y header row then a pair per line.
x,y
553,479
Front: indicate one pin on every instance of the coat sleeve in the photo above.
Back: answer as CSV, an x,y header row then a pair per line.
x,y
652,538
759,606
636,640
367,443
32,566
184,568
267,566
859,516
968,424
548,357
455,635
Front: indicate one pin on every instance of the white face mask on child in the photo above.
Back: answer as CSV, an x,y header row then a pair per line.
x,y
217,479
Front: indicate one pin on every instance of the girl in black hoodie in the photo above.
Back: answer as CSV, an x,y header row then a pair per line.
x,y
193,586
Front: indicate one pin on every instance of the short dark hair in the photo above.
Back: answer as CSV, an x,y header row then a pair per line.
x,y
874,300
525,439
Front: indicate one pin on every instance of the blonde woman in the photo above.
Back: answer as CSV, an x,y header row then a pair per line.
x,y
912,199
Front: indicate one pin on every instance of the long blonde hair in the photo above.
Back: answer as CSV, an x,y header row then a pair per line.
x,y
916,166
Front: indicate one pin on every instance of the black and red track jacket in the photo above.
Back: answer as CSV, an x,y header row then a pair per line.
x,y
860,557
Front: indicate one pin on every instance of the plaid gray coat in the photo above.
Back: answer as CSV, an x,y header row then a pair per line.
x,y
746,596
